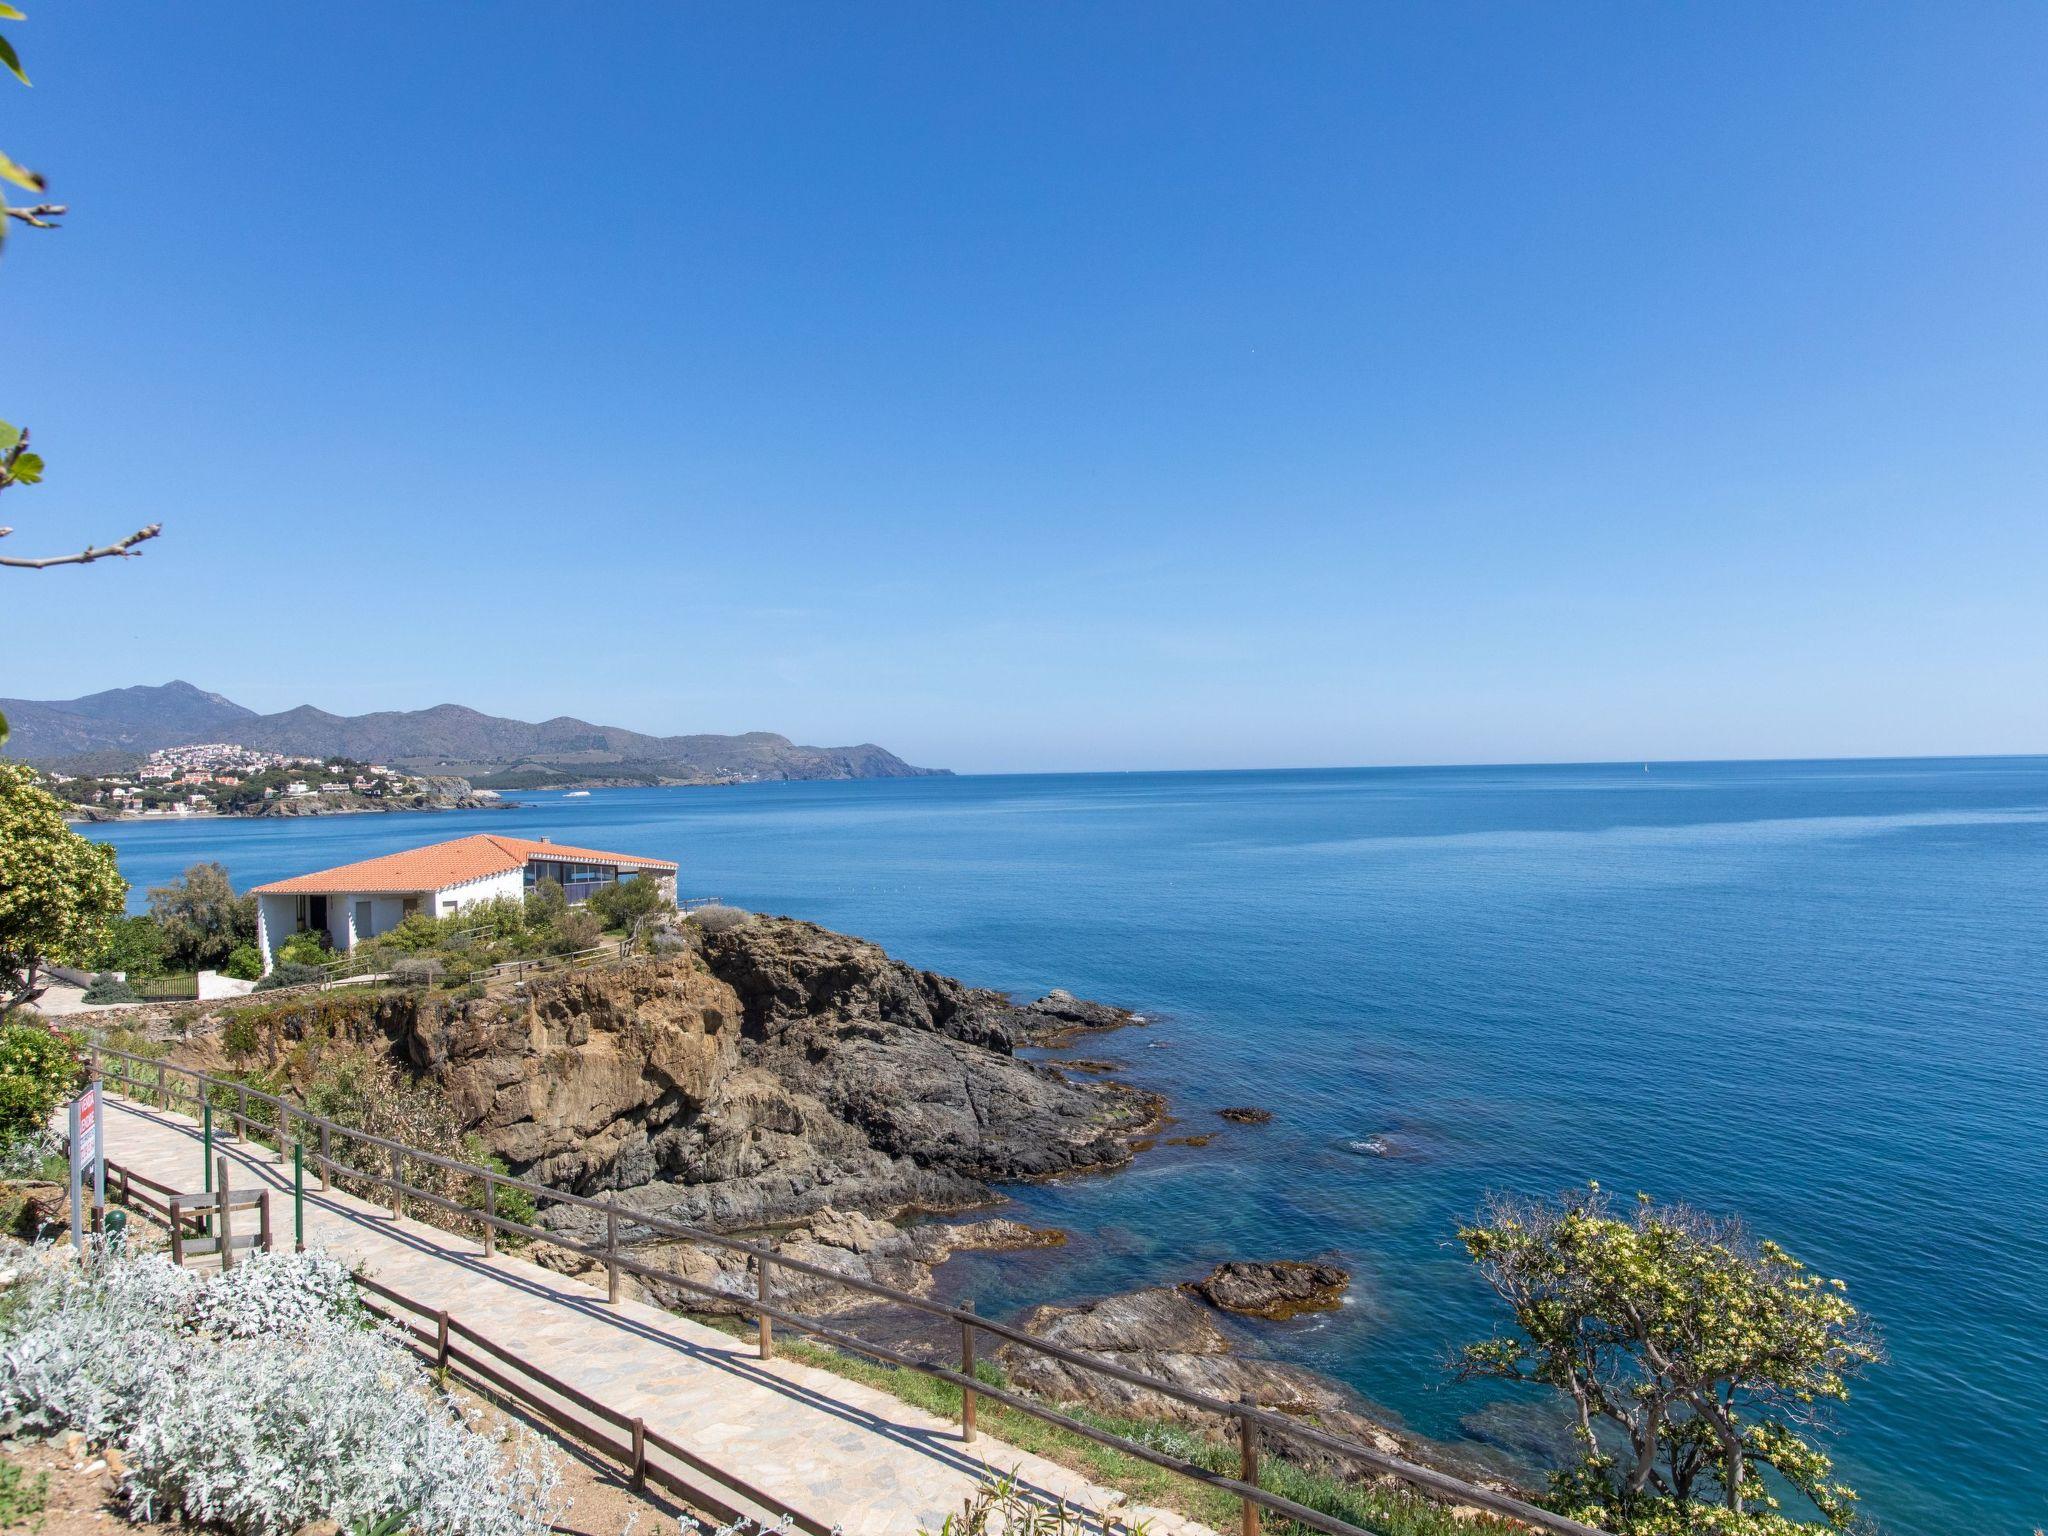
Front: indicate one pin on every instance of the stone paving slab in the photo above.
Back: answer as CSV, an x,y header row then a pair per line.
x,y
833,1450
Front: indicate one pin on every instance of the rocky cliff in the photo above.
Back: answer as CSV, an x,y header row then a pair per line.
x,y
764,1075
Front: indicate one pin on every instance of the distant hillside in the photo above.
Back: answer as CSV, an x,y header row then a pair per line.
x,y
448,737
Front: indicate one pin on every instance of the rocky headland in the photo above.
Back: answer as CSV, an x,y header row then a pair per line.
x,y
805,1089
753,1077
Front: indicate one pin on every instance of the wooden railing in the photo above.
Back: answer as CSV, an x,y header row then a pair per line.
x,y
448,1342
160,1082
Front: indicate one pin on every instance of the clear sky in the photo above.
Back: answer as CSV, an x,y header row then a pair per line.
x,y
1051,386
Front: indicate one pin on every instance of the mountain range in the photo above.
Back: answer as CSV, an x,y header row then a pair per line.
x,y
106,732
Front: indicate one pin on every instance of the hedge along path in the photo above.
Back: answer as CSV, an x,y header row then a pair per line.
x,y
831,1451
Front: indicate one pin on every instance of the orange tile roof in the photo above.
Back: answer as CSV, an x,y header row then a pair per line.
x,y
440,865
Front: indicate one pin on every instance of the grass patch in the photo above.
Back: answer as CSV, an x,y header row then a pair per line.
x,y
1391,1511
22,1496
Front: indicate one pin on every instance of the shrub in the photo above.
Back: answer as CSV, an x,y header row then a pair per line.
x,y
574,930
308,947
134,946
416,971
289,974
624,903
240,1038
512,1203
258,1401
245,964
39,1069
110,989
545,903
720,919
666,943
367,1091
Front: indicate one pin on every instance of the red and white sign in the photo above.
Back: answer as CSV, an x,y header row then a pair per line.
x,y
85,1141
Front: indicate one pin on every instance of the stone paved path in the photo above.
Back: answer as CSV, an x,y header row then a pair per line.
x,y
822,1447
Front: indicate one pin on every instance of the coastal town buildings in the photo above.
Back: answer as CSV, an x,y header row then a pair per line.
x,y
353,902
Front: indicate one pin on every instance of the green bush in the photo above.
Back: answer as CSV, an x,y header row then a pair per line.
x,y
416,971
623,904
572,931
290,974
245,964
39,1069
307,948
110,989
135,946
240,1039
545,903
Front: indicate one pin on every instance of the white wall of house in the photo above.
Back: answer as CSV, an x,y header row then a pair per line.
x,y
454,898
277,919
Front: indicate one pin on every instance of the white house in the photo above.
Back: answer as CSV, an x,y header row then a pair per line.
x,y
359,901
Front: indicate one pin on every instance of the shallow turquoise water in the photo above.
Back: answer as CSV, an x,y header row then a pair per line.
x,y
1815,994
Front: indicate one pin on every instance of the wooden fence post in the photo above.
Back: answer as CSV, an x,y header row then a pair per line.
x,y
163,1092
1248,1465
761,1267
263,1238
490,1214
639,1453
241,1111
967,1370
221,1223
326,1151
441,1338
611,1254
397,1184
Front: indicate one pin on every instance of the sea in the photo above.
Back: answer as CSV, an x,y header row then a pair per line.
x,y
1811,994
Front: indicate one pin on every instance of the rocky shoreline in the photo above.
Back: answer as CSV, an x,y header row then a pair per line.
x,y
802,1087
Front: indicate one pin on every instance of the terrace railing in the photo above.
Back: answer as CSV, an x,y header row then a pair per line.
x,y
166,1085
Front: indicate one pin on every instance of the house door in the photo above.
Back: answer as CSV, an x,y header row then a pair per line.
x,y
316,913
362,921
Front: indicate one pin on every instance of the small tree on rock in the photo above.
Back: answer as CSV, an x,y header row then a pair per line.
x,y
1695,1357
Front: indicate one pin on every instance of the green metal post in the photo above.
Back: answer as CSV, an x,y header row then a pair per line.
x,y
298,1197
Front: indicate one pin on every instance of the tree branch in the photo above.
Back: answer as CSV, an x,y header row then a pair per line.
x,y
38,217
123,548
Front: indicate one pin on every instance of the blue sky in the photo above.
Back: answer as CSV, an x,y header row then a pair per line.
x,y
1051,386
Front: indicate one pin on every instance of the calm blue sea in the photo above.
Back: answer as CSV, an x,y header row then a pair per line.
x,y
1815,994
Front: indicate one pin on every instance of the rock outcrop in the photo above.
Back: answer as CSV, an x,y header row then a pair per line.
x,y
846,1243
1276,1290
774,1071
1166,1332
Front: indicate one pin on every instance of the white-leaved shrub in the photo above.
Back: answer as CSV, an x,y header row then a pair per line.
x,y
259,1400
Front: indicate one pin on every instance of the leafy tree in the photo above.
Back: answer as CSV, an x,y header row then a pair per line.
x,y
58,891
625,902
202,919
38,1068
18,465
135,947
245,964
546,902
1695,1357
